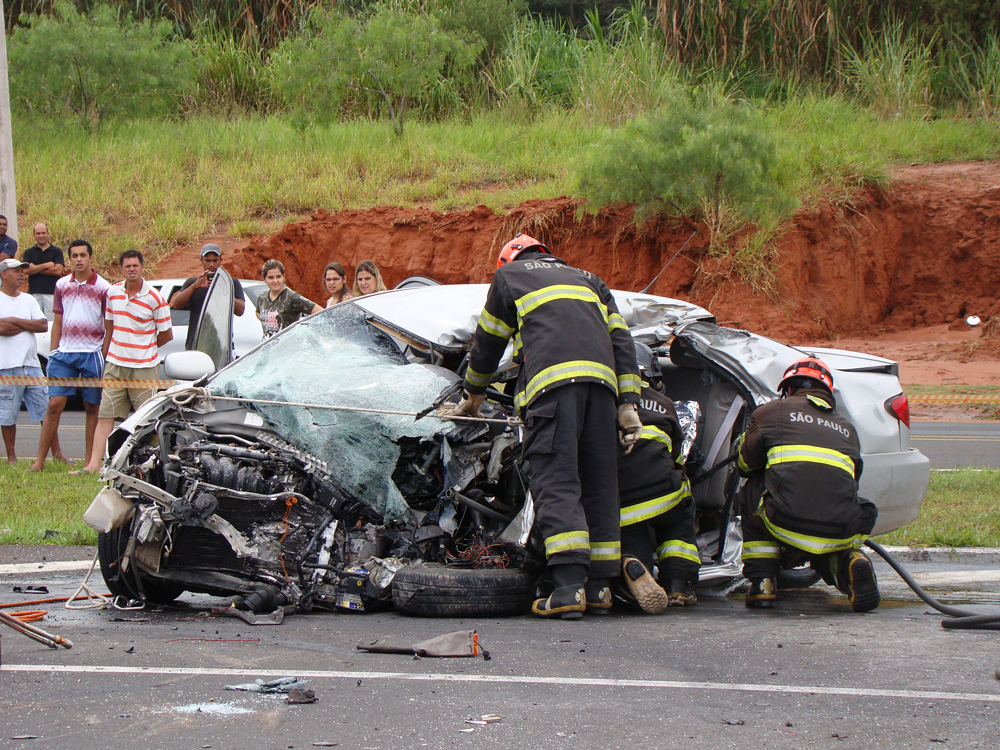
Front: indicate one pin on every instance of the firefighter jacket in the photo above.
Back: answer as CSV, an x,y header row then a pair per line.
x,y
810,458
566,329
649,481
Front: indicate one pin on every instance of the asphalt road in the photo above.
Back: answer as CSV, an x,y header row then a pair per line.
x,y
947,444
809,674
951,445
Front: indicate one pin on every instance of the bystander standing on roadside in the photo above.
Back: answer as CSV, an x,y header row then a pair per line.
x,y
136,325
78,307
335,280
8,245
45,266
20,319
280,307
191,296
367,279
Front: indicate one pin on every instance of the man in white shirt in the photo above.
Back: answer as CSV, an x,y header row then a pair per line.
x,y
78,305
20,319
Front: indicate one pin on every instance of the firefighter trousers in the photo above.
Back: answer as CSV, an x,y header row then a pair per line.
x,y
764,556
571,450
668,540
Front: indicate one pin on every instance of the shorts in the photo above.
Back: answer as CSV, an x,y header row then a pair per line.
x,y
35,397
117,403
75,365
45,302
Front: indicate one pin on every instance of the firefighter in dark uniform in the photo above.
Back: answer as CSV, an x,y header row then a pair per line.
x,y
657,510
800,502
578,373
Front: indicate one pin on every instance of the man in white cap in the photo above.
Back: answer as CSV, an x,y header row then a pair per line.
x,y
191,295
20,319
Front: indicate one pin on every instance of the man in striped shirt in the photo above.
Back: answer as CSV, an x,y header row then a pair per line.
x,y
137,324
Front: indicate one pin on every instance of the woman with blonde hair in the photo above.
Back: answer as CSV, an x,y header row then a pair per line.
x,y
367,279
335,280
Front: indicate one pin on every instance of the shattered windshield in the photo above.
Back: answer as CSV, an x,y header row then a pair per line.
x,y
338,359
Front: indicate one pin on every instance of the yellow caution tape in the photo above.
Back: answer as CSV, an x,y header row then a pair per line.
x,y
960,399
83,382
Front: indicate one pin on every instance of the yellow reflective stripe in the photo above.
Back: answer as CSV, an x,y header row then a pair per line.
x,y
605,550
567,541
539,297
616,321
677,548
739,455
817,401
655,433
477,379
629,384
759,550
632,514
493,325
564,371
817,545
517,343
792,453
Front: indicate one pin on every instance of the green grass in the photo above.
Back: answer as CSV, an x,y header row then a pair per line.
x,y
962,509
952,390
154,184
51,500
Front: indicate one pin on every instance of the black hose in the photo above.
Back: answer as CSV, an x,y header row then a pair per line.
x,y
962,618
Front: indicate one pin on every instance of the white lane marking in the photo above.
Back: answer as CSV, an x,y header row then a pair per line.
x,y
44,567
965,576
515,679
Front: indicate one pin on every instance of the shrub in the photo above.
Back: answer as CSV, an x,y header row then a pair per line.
x,y
396,55
96,67
696,162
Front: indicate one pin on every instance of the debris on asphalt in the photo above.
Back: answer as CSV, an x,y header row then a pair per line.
x,y
25,737
31,590
280,685
466,731
325,744
298,695
130,650
491,718
458,644
735,723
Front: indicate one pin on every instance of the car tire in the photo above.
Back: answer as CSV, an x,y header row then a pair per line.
x,y
798,578
437,591
110,548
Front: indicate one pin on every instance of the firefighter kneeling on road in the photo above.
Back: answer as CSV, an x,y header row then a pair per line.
x,y
578,373
800,502
657,510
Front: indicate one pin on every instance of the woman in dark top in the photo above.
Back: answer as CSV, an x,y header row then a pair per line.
x,y
280,307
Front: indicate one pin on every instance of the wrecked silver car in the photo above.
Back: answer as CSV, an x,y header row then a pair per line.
x,y
311,472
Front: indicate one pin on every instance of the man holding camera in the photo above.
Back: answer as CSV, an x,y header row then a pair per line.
x,y
191,296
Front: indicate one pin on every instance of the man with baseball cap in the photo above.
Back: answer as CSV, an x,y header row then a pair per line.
x,y
191,295
20,319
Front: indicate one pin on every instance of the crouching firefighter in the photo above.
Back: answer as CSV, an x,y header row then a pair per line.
x,y
657,510
578,373
800,502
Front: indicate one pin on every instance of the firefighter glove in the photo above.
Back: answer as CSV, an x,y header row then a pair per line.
x,y
628,418
468,407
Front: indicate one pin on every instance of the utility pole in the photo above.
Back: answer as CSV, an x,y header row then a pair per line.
x,y
8,199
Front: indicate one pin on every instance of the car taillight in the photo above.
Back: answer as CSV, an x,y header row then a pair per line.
x,y
899,407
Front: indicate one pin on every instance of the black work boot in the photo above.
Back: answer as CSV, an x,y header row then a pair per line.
x,y
567,600
647,592
680,593
856,578
598,591
762,593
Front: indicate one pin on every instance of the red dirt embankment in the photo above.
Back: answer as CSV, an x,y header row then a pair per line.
x,y
923,252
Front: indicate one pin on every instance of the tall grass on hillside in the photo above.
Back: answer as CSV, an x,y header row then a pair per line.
x,y
976,76
623,71
893,71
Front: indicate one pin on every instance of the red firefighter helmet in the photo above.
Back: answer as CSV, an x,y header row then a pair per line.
x,y
514,248
807,367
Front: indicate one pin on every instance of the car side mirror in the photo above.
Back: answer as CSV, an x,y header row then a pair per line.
x,y
188,365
